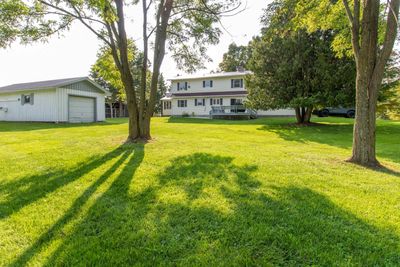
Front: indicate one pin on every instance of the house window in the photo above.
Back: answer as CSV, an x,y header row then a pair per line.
x,y
182,103
208,83
182,86
27,99
237,83
167,105
199,102
216,101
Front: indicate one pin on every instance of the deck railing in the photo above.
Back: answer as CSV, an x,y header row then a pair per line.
x,y
233,110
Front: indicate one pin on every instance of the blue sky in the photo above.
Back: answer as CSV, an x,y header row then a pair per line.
x,y
72,54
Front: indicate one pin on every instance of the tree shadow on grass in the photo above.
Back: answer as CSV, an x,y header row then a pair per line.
x,y
339,135
135,153
27,190
207,210
183,120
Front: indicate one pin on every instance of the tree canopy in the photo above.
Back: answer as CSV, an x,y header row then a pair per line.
x,y
185,27
236,57
296,69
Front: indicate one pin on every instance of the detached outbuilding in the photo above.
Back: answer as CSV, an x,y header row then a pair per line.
x,y
66,100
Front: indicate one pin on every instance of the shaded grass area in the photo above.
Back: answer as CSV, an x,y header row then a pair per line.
x,y
203,193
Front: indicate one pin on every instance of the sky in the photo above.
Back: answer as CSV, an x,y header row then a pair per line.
x,y
72,54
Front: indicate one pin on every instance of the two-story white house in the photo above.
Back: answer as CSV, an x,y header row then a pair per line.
x,y
215,93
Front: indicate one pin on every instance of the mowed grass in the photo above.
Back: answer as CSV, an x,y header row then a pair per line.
x,y
202,193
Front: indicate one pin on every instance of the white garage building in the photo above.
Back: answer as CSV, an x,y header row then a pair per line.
x,y
66,100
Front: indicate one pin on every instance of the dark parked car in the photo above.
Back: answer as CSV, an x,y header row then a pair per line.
x,y
340,112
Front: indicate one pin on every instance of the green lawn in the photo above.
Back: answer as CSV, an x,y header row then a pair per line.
x,y
202,193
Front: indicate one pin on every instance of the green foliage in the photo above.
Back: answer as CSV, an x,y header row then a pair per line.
x,y
326,15
192,27
331,15
106,73
162,89
279,196
298,69
389,107
24,22
236,57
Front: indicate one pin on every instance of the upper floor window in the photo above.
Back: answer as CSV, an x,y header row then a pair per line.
x,y
27,99
182,86
182,103
208,83
199,102
237,83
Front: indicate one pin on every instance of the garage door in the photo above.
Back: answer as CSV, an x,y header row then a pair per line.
x,y
81,109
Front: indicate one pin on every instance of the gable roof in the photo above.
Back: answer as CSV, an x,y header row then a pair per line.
x,y
42,85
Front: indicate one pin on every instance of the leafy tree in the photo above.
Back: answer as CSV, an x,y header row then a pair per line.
x,y
295,71
372,29
293,68
186,27
236,57
162,89
106,73
389,107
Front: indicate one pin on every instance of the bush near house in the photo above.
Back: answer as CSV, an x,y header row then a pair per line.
x,y
203,192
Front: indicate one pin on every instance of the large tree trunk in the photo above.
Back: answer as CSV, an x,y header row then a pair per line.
x,y
162,18
364,137
371,59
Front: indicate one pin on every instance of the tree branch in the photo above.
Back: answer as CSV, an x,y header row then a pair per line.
x,y
77,16
354,19
390,34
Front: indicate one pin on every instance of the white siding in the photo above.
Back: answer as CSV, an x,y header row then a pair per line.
x,y
62,96
202,111
166,112
219,85
277,112
44,106
49,105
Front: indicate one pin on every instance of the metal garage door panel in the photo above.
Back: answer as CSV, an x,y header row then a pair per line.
x,y
81,109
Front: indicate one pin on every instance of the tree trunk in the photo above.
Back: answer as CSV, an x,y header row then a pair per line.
x,y
364,138
307,114
298,115
371,58
303,114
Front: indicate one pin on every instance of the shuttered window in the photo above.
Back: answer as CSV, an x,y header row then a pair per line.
x,y
208,83
27,99
199,102
237,83
182,103
182,86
